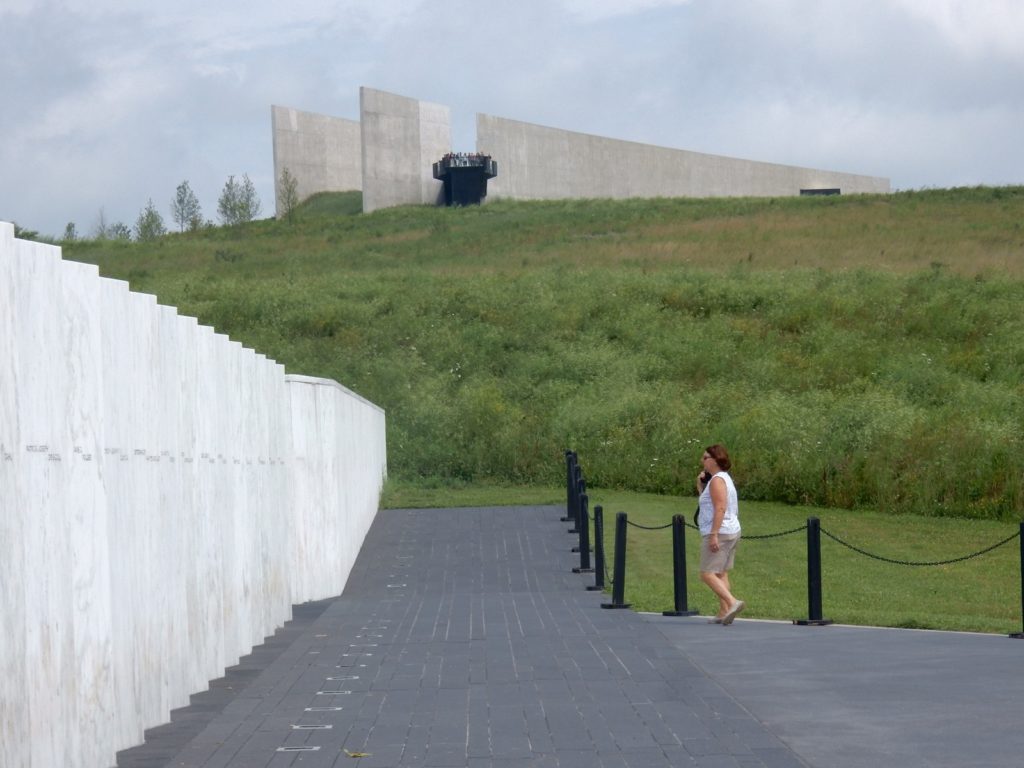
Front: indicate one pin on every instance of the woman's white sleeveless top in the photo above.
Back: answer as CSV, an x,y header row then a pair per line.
x,y
731,521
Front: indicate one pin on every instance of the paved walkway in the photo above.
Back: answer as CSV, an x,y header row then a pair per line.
x,y
463,639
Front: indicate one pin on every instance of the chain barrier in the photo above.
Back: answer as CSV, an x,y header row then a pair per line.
x,y
814,529
747,537
775,535
649,527
798,529
873,556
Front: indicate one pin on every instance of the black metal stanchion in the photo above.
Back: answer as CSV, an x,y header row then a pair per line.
x,y
584,527
679,568
598,585
1020,635
581,488
813,576
619,573
570,485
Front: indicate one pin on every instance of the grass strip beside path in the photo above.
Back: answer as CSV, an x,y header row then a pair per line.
x,y
982,594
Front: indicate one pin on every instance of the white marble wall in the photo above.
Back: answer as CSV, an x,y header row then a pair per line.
x,y
166,495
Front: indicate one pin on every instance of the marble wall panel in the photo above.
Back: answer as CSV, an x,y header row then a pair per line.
x,y
189,587
302,467
208,601
126,558
166,496
49,631
280,477
252,505
86,511
238,602
172,510
14,709
337,475
146,589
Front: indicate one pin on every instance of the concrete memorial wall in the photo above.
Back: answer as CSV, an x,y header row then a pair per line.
x,y
322,153
398,139
165,496
402,138
540,163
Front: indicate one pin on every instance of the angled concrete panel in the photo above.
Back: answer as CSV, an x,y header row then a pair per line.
x,y
323,153
540,163
401,140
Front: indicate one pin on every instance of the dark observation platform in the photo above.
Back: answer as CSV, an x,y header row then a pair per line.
x,y
465,176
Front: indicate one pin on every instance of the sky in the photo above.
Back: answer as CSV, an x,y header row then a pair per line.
x,y
107,104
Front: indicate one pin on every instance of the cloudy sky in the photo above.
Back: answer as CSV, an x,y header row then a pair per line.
x,y
105,104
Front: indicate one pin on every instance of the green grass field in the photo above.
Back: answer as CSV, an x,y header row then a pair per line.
x,y
862,357
982,594
853,352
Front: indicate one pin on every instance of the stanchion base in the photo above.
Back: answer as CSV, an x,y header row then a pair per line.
x,y
1017,635
582,570
812,622
566,519
595,588
616,605
680,613
576,550
573,530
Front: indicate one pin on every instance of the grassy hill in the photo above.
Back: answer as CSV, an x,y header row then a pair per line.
x,y
852,351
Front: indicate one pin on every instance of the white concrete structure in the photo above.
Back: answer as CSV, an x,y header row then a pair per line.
x,y
402,138
540,163
165,496
323,154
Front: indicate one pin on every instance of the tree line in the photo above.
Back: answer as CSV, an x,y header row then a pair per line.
x,y
237,204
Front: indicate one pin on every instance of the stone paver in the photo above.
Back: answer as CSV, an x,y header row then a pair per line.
x,y
464,639
860,697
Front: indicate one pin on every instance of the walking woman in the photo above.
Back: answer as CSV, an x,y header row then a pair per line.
x,y
719,523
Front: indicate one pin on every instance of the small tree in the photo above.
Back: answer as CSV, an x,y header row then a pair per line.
x,y
185,208
238,202
227,203
150,224
102,230
287,196
70,233
25,234
249,206
119,231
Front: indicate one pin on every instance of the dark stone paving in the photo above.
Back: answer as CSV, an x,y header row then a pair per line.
x,y
861,697
464,639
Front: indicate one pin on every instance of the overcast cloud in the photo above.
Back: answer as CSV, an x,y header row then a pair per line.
x,y
104,104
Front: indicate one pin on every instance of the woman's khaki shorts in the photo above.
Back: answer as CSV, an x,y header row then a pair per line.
x,y
722,560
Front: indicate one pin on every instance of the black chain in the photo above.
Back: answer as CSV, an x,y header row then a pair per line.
x,y
776,535
760,536
909,562
649,528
